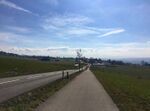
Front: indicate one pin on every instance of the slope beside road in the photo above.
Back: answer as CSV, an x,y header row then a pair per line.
x,y
84,93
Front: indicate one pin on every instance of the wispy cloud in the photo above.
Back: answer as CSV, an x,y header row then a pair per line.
x,y
13,38
70,25
66,20
76,32
51,51
107,51
116,31
18,29
104,50
92,31
6,36
52,2
25,40
13,5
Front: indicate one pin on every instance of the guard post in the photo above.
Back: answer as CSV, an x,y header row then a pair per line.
x,y
67,75
63,74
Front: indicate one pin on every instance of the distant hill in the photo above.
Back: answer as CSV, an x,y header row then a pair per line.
x,y
42,58
48,58
7,54
136,60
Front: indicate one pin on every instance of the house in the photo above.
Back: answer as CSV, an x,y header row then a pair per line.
x,y
101,64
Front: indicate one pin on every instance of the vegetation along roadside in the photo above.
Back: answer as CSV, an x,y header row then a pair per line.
x,y
129,86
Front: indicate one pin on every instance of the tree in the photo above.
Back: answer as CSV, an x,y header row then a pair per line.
x,y
79,55
144,63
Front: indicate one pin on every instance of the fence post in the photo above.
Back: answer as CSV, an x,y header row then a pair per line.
x,y
62,74
67,75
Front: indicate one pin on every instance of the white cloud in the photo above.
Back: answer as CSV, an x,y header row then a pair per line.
x,y
19,39
77,32
14,38
66,20
18,29
13,5
83,31
116,31
52,51
121,50
53,2
50,27
5,36
70,25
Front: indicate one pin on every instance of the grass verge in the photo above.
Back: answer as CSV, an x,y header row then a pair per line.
x,y
128,86
30,100
13,66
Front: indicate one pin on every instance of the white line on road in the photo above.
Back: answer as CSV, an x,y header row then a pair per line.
x,y
31,77
9,81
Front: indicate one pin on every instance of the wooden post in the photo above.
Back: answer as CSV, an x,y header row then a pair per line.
x,y
62,74
67,75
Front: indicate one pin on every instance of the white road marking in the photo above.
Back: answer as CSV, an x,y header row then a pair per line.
x,y
9,81
31,77
36,76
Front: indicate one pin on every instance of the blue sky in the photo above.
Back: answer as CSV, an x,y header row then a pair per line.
x,y
101,28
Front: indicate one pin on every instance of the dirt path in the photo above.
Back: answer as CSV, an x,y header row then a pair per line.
x,y
84,93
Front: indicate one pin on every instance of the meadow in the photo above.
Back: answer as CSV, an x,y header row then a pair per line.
x,y
14,66
129,86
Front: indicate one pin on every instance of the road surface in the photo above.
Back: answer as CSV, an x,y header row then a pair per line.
x,y
13,86
84,93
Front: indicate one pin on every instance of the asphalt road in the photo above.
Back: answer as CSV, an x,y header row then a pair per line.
x,y
84,93
13,86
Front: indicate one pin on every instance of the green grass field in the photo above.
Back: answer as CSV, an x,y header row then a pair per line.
x,y
13,66
129,86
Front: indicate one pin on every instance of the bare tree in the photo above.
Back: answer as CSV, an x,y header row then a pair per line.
x,y
79,55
